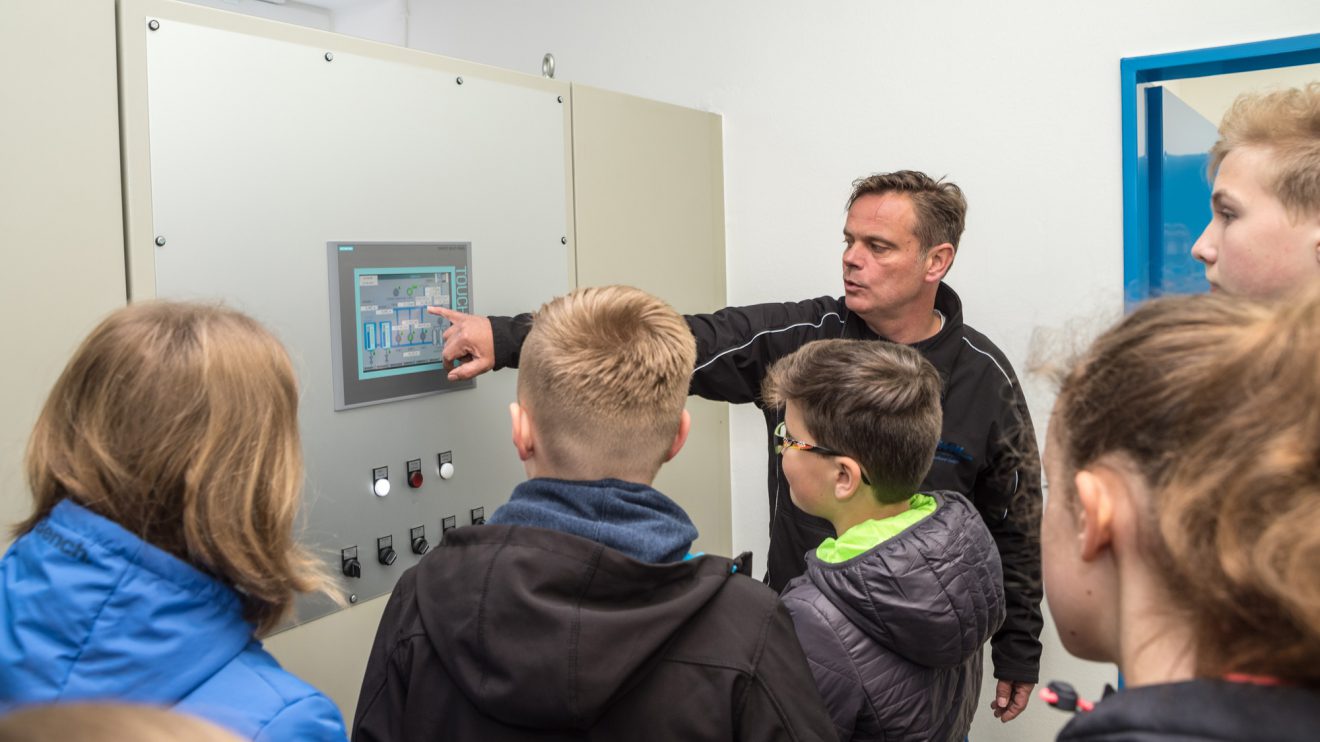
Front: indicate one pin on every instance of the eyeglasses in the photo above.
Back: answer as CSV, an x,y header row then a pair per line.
x,y
786,442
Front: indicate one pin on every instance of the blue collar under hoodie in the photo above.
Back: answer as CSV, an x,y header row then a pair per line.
x,y
634,519
88,610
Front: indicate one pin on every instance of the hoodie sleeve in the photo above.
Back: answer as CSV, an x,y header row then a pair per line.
x,y
830,662
781,701
384,694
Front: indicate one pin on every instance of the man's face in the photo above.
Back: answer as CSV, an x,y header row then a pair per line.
x,y
1252,246
884,270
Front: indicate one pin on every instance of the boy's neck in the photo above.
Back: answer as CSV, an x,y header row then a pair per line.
x,y
539,470
864,507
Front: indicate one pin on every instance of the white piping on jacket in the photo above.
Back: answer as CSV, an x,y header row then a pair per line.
x,y
723,353
1007,378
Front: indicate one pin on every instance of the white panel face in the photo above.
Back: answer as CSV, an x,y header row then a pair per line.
x,y
262,152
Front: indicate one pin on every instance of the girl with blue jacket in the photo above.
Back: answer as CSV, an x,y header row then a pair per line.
x,y
166,470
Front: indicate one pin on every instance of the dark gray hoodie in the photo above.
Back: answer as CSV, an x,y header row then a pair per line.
x,y
894,635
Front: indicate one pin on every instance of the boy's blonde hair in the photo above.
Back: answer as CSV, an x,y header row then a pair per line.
x,y
179,422
877,402
1287,124
1216,402
107,722
604,373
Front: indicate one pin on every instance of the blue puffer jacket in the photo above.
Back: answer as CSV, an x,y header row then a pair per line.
x,y
90,611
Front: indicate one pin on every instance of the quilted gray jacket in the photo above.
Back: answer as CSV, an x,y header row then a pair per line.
x,y
894,636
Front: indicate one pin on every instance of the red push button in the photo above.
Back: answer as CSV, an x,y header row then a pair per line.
x,y
415,479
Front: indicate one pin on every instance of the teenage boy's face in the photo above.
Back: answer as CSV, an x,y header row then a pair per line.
x,y
1253,247
810,476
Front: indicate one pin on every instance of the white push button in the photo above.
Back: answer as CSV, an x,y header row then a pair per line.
x,y
381,487
446,470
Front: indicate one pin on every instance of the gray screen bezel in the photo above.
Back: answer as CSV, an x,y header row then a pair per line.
x,y
351,391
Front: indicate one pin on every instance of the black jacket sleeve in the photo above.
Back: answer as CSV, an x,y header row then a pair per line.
x,y
781,701
508,334
383,700
1009,496
736,346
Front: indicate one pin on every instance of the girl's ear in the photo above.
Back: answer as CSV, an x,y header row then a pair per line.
x,y
1098,488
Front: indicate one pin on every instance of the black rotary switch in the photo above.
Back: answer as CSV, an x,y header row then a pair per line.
x,y
349,564
385,550
419,543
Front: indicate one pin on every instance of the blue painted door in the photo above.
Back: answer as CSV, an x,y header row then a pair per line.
x,y
1178,141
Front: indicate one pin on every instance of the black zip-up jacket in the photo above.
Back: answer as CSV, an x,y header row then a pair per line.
x,y
987,449
1201,710
508,632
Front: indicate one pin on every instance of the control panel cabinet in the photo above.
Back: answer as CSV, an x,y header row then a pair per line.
x,y
335,189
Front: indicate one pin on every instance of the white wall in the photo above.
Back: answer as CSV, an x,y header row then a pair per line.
x,y
1016,101
302,14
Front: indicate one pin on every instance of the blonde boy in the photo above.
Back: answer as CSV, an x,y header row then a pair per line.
x,y
894,611
577,610
1263,240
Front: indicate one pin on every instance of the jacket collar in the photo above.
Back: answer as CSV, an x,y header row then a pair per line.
x,y
896,594
1201,709
934,348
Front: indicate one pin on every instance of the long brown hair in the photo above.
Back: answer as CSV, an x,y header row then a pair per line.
x,y
179,422
1216,401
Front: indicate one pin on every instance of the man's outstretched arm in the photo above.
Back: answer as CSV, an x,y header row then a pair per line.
x,y
475,344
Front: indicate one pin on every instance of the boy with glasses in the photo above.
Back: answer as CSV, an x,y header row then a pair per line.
x,y
893,612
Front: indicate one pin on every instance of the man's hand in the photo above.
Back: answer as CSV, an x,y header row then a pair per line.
x,y
468,340
1011,699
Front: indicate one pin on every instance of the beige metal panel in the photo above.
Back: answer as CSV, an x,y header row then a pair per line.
x,y
331,653
649,195
60,208
134,17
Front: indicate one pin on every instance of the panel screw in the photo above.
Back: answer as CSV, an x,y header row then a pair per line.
x,y
561,99
329,56
563,240
160,240
153,24
352,598
459,81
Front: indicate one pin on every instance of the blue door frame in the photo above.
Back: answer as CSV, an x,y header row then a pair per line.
x,y
1134,71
